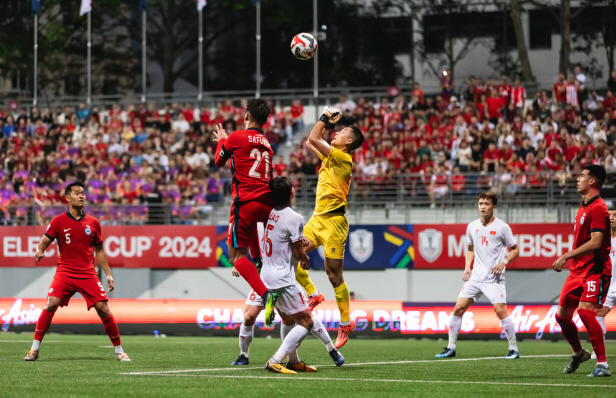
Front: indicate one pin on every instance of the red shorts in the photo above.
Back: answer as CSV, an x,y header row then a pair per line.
x,y
244,219
64,287
591,289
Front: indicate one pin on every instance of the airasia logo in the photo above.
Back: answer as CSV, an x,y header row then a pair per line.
x,y
17,316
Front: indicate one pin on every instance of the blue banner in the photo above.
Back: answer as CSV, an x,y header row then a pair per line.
x,y
374,247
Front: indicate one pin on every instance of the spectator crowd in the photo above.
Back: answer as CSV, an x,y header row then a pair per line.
x,y
488,134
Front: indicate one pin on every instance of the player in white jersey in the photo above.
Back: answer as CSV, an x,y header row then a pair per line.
x,y
489,240
610,300
283,239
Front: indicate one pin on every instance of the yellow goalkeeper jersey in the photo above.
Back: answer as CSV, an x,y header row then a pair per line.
x,y
334,181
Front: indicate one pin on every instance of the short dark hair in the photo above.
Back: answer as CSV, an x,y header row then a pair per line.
x,y
358,138
597,172
282,189
259,110
490,196
69,187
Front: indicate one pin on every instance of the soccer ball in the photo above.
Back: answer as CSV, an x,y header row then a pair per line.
x,y
304,46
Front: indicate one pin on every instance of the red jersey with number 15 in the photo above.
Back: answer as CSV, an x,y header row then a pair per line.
x,y
251,163
76,240
592,217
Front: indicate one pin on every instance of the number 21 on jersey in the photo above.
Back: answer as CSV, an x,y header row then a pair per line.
x,y
257,156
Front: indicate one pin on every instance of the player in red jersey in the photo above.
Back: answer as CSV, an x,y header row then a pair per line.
x,y
251,165
79,237
588,283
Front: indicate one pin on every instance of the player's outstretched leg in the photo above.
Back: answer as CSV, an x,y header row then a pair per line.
x,y
42,325
334,268
455,323
319,331
569,330
509,330
589,318
295,364
111,328
246,333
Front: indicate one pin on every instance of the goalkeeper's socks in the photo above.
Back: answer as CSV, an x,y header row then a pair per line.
x,y
250,274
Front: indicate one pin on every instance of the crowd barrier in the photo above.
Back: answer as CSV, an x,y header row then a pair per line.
x,y
223,317
420,246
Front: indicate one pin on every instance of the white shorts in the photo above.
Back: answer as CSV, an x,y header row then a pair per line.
x,y
610,300
254,299
495,292
440,191
292,299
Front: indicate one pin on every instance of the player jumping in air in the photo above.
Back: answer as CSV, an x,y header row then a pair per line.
x,y
328,226
489,240
587,285
79,237
282,241
251,166
610,300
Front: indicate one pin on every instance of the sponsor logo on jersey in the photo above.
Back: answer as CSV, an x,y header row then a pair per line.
x,y
361,244
50,290
430,244
88,230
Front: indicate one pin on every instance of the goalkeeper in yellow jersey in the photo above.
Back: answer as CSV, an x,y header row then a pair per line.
x,y
329,226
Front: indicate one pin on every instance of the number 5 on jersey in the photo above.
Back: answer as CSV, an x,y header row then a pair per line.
x,y
268,241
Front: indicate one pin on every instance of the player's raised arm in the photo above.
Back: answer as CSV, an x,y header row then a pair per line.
x,y
326,122
42,246
223,152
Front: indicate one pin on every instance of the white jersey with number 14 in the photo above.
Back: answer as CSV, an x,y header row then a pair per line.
x,y
490,245
283,228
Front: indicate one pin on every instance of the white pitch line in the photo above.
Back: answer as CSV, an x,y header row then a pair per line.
x,y
27,341
162,372
397,381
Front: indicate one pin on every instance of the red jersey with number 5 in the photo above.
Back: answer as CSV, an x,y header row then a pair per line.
x,y
592,217
251,163
76,240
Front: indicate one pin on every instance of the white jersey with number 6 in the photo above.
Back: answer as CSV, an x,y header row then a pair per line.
x,y
283,228
490,245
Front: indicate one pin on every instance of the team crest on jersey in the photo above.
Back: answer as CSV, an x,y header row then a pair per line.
x,y
582,219
88,230
361,245
430,244
50,290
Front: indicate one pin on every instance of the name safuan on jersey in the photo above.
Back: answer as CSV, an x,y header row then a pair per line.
x,y
490,245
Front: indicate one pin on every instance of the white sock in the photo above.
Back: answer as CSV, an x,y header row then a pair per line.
x,y
290,343
245,338
509,329
455,323
118,349
602,363
284,330
314,294
601,321
36,344
319,331
347,323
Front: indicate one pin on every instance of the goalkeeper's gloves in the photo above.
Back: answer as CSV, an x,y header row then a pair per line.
x,y
330,117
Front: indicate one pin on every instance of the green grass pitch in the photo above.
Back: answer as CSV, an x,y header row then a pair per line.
x,y
82,365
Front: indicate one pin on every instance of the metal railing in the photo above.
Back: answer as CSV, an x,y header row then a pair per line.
x,y
405,198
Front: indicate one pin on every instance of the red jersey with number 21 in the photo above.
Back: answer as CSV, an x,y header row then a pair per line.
x,y
592,217
251,163
76,240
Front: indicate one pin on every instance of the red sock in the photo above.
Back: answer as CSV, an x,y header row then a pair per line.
x,y
42,325
570,332
589,318
111,328
250,273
